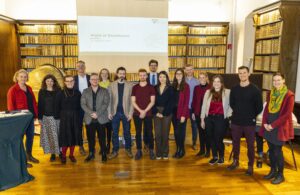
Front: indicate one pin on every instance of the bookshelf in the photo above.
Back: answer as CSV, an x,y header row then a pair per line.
x,y
277,38
48,43
204,45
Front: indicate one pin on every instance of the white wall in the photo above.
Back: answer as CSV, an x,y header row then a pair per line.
x,y
41,9
200,10
2,7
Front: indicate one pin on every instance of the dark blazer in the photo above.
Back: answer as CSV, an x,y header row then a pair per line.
x,y
76,86
102,101
165,100
148,78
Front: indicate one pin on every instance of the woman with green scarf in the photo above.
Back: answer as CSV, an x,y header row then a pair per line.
x,y
277,125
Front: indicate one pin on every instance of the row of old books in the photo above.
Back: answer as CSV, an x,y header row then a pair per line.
x,y
198,30
218,50
269,17
66,62
48,28
48,39
197,40
210,62
177,29
177,62
196,72
177,39
41,39
71,50
70,62
71,39
214,62
208,30
268,46
177,50
267,81
270,30
52,50
129,76
207,40
267,63
35,62
43,28
70,29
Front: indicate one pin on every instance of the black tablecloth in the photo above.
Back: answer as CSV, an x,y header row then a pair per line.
x,y
13,169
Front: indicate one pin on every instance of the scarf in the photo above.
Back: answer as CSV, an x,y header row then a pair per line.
x,y
276,99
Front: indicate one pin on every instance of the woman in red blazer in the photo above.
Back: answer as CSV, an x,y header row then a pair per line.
x,y
277,125
198,96
181,111
20,97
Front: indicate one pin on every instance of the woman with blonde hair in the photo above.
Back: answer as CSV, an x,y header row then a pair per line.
x,y
197,102
104,77
20,97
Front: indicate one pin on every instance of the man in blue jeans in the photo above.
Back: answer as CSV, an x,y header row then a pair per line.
x,y
192,82
120,109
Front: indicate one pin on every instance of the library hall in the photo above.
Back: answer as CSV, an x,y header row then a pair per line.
x,y
150,97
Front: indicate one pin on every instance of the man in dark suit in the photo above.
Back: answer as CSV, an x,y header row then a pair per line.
x,y
152,80
153,75
82,81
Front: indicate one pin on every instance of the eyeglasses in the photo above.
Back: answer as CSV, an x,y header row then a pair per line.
x,y
69,81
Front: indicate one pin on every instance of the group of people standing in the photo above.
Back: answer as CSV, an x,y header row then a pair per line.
x,y
155,102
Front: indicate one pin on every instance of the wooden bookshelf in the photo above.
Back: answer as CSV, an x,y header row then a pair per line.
x,y
53,43
277,38
204,45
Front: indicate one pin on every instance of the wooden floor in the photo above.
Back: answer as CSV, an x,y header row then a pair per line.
x,y
190,175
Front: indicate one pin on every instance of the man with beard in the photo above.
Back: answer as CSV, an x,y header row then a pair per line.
x,y
120,109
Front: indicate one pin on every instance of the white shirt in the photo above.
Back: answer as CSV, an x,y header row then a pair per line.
x,y
82,83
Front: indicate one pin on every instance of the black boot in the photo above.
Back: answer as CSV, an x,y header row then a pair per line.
x,y
175,155
108,148
52,158
181,152
279,178
271,175
201,153
104,157
90,157
249,171
138,154
234,165
30,158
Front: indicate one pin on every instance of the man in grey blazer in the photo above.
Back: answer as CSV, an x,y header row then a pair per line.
x,y
94,102
120,109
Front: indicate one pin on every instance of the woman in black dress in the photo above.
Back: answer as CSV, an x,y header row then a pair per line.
x,y
49,127
67,111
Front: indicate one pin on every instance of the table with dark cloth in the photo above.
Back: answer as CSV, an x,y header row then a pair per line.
x,y
13,169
